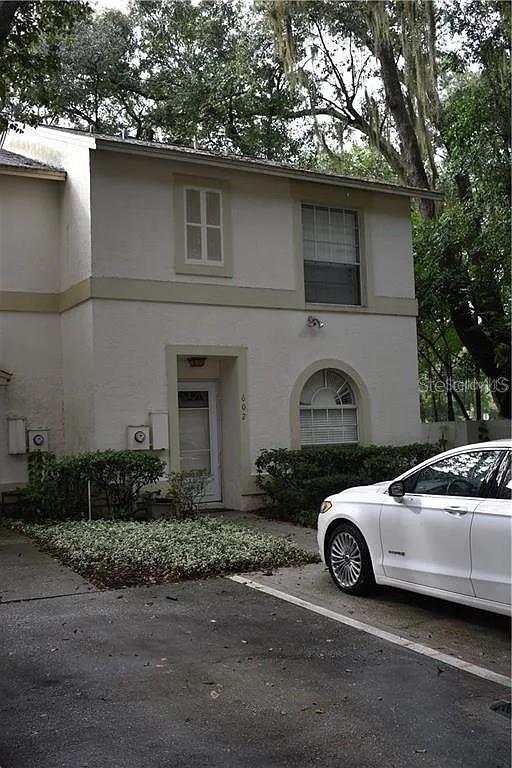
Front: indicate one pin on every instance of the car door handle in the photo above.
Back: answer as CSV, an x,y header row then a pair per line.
x,y
456,510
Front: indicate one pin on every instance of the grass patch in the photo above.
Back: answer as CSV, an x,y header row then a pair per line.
x,y
115,554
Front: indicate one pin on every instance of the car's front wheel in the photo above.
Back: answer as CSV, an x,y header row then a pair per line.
x,y
349,560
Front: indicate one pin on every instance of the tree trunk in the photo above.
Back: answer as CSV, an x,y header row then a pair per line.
x,y
482,342
411,152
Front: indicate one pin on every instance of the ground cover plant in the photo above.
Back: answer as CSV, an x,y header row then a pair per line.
x,y
128,553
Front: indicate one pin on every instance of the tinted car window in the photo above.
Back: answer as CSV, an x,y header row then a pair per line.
x,y
463,474
503,480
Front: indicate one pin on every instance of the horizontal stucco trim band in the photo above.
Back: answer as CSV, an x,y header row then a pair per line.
x,y
128,289
32,301
75,295
22,301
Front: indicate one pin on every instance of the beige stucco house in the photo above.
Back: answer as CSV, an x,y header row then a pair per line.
x,y
204,306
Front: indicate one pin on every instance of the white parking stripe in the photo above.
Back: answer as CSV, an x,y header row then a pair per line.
x,y
445,658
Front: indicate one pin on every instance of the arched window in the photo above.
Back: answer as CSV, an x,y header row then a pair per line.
x,y
328,410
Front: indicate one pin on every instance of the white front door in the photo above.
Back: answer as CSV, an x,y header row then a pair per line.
x,y
199,434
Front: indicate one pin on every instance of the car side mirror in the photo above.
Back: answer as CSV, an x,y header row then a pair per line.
x,y
397,489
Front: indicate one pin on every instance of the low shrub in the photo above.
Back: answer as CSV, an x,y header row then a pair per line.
x,y
296,482
182,491
58,487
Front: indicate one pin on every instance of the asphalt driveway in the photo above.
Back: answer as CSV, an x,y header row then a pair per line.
x,y
212,673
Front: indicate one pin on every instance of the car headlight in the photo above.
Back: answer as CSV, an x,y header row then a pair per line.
x,y
326,506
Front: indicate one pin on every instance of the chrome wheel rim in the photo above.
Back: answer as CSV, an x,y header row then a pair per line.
x,y
346,559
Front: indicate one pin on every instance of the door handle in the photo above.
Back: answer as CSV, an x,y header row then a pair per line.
x,y
456,510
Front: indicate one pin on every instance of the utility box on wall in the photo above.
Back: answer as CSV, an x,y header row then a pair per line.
x,y
38,440
16,436
159,421
138,438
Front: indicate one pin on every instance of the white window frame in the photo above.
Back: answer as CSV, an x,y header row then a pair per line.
x,y
357,238
342,408
203,225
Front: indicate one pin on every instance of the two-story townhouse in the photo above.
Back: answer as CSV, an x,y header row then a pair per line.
x,y
205,306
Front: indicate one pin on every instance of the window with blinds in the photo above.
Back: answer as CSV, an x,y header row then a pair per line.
x,y
328,410
332,271
203,226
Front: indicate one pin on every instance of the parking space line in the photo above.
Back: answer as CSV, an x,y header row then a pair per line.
x,y
445,658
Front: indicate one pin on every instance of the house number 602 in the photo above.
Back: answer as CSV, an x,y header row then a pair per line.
x,y
243,407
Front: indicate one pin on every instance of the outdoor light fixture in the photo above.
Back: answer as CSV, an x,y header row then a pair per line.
x,y
314,322
5,377
196,362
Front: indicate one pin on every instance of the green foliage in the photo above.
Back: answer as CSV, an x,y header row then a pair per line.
x,y
57,487
29,46
182,490
360,160
116,554
439,116
199,74
474,226
296,482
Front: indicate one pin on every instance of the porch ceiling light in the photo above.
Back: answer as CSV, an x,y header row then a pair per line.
x,y
196,362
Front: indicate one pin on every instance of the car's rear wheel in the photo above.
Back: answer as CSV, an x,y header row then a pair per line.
x,y
349,560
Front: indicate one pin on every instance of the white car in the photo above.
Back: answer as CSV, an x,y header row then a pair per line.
x,y
442,529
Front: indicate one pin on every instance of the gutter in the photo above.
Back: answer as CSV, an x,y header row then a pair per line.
x,y
33,173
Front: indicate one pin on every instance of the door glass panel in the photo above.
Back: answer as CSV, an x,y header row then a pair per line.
x,y
194,421
461,475
193,399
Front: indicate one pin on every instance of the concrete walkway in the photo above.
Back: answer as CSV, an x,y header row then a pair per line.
x,y
27,574
304,537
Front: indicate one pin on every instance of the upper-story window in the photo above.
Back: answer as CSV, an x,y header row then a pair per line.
x,y
203,226
332,268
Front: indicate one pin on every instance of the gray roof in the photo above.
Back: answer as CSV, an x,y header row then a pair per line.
x,y
11,162
233,161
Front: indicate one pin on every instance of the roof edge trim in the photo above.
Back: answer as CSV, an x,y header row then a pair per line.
x,y
34,173
253,167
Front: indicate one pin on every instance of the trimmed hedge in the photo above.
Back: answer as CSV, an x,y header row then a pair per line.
x,y
296,482
57,487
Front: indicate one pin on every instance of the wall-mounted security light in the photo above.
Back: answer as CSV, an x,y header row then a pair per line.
x,y
5,377
314,322
196,362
